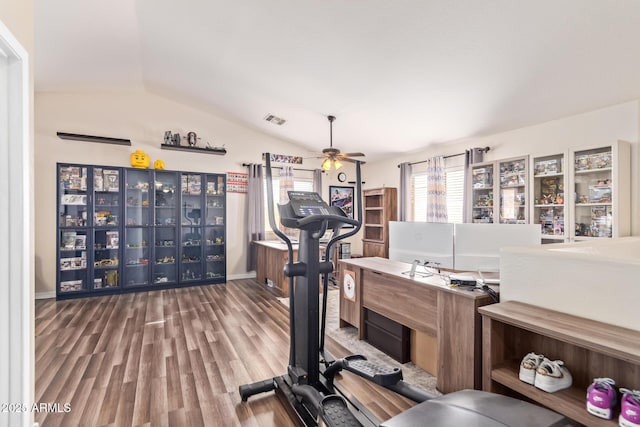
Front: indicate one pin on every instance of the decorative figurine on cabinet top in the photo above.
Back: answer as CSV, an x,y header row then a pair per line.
x,y
158,165
192,139
140,160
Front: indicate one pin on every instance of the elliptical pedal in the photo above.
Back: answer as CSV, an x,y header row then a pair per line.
x,y
335,413
379,374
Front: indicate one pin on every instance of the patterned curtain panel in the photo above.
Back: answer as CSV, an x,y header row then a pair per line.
x,y
405,191
286,185
255,220
436,191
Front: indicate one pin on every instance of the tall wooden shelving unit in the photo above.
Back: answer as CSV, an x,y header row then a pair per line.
x,y
380,207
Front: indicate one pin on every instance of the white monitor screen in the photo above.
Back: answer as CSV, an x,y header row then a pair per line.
x,y
477,246
423,241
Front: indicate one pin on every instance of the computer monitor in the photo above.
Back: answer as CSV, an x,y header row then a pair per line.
x,y
477,246
423,241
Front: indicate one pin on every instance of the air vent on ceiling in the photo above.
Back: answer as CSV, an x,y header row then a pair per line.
x,y
274,119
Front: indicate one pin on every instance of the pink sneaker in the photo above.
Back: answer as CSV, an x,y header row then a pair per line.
x,y
601,397
630,410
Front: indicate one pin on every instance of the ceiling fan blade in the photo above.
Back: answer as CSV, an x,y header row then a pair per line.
x,y
350,154
347,159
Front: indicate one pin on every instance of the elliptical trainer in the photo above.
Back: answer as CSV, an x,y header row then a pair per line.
x,y
309,387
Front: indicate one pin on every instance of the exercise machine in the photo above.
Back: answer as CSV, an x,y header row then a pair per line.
x,y
309,387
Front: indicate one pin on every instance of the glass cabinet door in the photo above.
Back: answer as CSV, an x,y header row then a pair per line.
x,y
593,193
73,228
482,193
137,230
549,201
166,238
513,191
137,197
137,256
106,198
106,220
191,227
106,251
214,247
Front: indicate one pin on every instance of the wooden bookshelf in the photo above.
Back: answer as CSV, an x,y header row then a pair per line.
x,y
380,206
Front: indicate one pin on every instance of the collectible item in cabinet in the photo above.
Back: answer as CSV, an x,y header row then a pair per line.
x,y
482,178
547,167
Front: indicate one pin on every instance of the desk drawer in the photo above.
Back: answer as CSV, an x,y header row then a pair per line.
x,y
406,302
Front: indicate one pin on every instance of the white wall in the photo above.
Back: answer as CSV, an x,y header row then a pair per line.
x,y
596,127
143,118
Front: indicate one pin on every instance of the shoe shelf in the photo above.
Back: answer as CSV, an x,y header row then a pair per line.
x,y
589,349
569,402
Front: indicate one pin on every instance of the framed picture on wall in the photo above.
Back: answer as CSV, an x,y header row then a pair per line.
x,y
342,197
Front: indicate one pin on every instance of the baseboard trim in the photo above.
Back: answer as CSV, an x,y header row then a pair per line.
x,y
45,295
250,275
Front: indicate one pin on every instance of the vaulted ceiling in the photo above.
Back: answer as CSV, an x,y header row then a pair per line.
x,y
399,75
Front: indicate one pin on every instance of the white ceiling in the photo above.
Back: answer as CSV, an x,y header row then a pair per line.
x,y
399,75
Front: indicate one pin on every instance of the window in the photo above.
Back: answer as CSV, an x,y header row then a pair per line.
x,y
299,184
454,177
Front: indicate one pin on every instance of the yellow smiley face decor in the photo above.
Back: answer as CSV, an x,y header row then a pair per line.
x,y
140,159
158,165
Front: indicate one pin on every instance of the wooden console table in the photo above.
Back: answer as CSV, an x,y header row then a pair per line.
x,y
271,258
589,349
446,327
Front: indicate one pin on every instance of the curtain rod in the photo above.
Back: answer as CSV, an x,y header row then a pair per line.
x,y
485,149
280,167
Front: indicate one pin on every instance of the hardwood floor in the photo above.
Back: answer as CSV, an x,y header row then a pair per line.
x,y
172,358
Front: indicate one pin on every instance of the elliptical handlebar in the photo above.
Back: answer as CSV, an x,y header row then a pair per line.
x,y
272,219
355,222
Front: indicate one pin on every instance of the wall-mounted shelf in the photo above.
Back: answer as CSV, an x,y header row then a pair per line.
x,y
92,138
218,151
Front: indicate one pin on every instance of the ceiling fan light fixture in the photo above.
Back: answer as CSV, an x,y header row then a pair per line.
x,y
326,165
337,164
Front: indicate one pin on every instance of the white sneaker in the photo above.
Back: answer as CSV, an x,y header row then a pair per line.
x,y
552,376
528,367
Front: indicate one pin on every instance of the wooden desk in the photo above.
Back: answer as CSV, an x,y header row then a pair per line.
x,y
445,322
271,258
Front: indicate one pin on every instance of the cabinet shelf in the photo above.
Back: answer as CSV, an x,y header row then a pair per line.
x,y
569,402
580,172
546,175
594,204
550,205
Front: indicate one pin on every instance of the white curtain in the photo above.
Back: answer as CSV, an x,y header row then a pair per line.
x,y
405,191
317,181
437,190
255,221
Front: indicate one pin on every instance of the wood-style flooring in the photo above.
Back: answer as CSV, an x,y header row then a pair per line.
x,y
172,358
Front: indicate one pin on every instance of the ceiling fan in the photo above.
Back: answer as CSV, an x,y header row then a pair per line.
x,y
333,156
